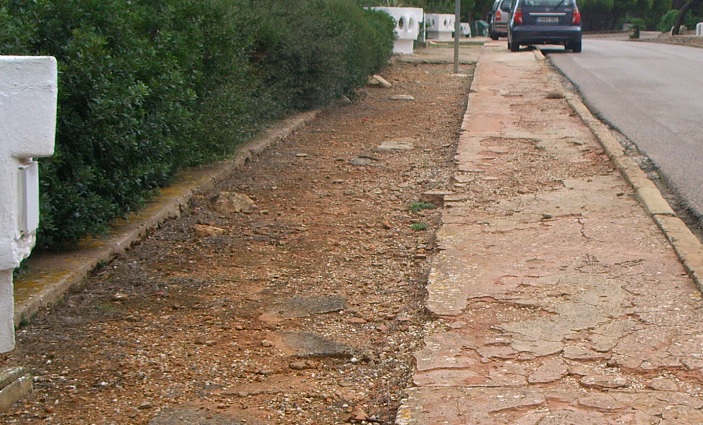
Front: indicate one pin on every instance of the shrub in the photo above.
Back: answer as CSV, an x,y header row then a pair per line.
x,y
637,25
310,62
667,21
120,115
149,86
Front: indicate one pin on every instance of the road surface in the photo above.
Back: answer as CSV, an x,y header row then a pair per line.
x,y
652,93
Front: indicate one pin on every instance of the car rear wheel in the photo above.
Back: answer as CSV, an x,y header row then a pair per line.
x,y
514,47
574,47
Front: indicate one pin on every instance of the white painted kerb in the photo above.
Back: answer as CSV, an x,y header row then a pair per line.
x,y
28,94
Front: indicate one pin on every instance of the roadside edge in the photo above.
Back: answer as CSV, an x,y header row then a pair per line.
x,y
685,243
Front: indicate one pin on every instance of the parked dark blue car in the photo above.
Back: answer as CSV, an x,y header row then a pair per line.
x,y
545,22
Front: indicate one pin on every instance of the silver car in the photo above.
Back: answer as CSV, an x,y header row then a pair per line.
x,y
498,19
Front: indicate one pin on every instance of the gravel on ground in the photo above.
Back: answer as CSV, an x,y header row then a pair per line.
x,y
291,294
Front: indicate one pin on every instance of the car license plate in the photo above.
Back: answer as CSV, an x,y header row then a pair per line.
x,y
548,19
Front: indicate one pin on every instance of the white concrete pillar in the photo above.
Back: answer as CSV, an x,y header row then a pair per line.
x,y
439,26
7,306
28,93
407,27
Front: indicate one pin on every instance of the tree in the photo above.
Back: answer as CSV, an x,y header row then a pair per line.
x,y
482,9
429,6
690,4
657,11
596,14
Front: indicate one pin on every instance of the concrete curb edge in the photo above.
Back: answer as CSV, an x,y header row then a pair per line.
x,y
15,384
686,245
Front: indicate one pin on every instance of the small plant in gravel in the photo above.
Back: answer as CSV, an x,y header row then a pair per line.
x,y
418,227
416,207
637,25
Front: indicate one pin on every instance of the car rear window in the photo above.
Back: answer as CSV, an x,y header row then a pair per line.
x,y
549,3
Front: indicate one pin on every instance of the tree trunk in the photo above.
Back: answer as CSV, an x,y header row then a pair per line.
x,y
682,13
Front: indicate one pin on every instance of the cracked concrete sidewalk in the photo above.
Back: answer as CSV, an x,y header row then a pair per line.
x,y
569,299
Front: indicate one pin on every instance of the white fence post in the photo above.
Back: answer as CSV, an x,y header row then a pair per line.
x,y
28,94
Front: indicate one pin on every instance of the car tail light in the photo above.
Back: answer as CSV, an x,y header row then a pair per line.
x,y
497,15
517,16
576,17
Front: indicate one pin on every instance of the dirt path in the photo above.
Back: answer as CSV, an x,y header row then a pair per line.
x,y
301,307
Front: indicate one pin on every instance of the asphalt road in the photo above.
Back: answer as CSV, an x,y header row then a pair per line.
x,y
653,94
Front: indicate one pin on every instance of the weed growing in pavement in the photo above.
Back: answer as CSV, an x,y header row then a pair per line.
x,y
416,207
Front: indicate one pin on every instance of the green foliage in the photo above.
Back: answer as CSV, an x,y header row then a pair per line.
x,y
416,207
150,86
611,14
667,21
636,25
429,6
314,61
418,227
14,33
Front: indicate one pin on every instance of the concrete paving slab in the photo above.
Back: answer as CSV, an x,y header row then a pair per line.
x,y
569,304
307,344
185,415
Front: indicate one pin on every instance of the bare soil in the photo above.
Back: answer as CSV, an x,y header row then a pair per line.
x,y
304,308
684,40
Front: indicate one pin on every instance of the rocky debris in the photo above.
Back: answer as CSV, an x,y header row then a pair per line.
x,y
232,203
435,197
363,161
306,306
686,40
307,344
120,296
604,381
359,414
303,364
377,80
201,334
396,145
196,416
204,230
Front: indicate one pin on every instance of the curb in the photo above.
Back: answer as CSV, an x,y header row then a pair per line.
x,y
43,283
686,245
15,384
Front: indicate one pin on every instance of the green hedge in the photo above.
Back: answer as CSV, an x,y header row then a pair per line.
x,y
150,86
